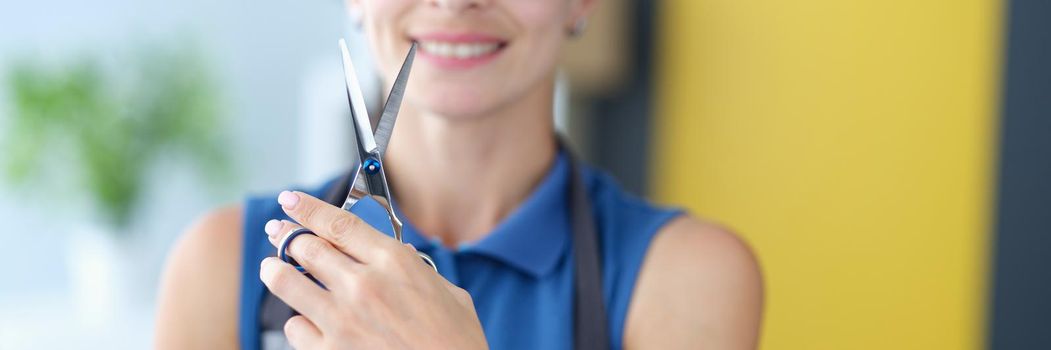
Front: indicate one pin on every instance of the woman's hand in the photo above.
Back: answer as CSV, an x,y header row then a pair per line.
x,y
380,294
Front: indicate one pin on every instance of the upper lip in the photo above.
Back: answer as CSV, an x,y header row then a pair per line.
x,y
457,37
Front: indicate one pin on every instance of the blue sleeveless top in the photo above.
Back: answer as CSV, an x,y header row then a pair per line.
x,y
520,276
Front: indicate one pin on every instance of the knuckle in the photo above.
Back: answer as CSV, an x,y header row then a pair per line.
x,y
307,249
351,289
356,291
463,296
341,228
307,212
386,257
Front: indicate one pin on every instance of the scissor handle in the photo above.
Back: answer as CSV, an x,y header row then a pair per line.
x,y
282,252
283,247
427,260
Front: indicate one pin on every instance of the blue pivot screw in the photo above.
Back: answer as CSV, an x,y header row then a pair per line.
x,y
371,166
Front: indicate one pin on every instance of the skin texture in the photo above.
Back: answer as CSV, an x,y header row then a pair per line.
x,y
483,137
699,288
198,299
383,297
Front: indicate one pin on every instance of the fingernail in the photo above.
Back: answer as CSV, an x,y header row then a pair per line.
x,y
287,199
271,227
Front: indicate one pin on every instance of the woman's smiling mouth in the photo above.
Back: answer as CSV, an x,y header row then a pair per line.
x,y
459,50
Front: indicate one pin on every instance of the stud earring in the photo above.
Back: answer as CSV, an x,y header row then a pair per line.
x,y
578,27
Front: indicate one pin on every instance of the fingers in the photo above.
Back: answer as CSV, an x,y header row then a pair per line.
x,y
344,230
302,334
316,255
295,289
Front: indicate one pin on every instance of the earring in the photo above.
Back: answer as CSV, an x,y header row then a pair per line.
x,y
578,27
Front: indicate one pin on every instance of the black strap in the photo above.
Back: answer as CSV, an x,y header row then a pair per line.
x,y
590,326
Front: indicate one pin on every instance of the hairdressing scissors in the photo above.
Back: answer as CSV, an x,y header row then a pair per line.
x,y
369,180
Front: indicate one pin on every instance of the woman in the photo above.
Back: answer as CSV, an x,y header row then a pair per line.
x,y
485,189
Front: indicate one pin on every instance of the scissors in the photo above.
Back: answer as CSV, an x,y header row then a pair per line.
x,y
368,180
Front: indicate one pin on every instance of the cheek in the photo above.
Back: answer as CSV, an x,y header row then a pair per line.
x,y
382,21
382,8
539,12
544,24
540,18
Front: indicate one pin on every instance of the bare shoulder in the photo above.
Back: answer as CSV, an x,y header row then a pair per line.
x,y
198,300
699,287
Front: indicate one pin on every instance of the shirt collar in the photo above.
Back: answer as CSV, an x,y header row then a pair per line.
x,y
533,237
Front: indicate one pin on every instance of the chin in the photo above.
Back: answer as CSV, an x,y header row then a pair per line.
x,y
457,102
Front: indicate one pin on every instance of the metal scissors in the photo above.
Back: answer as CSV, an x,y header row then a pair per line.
x,y
369,180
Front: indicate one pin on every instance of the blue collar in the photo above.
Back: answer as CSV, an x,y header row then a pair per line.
x,y
533,237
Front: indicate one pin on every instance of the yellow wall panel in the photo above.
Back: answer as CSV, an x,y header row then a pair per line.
x,y
851,143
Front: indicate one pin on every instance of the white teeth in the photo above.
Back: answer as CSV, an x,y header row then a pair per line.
x,y
457,50
463,51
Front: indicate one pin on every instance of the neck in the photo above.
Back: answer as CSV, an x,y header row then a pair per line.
x,y
456,179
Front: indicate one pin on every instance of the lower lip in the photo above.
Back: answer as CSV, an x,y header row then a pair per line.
x,y
459,63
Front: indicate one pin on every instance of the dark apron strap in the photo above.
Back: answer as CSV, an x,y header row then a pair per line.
x,y
590,325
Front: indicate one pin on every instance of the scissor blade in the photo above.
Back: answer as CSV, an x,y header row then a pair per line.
x,y
362,125
390,108
365,183
358,188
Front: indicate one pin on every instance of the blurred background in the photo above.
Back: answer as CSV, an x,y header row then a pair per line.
x,y
886,159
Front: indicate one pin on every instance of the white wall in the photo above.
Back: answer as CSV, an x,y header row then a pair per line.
x,y
262,52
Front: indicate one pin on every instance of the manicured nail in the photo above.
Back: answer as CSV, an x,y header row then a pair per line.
x,y
288,200
271,227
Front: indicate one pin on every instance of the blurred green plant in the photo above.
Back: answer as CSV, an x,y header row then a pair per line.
x,y
113,124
